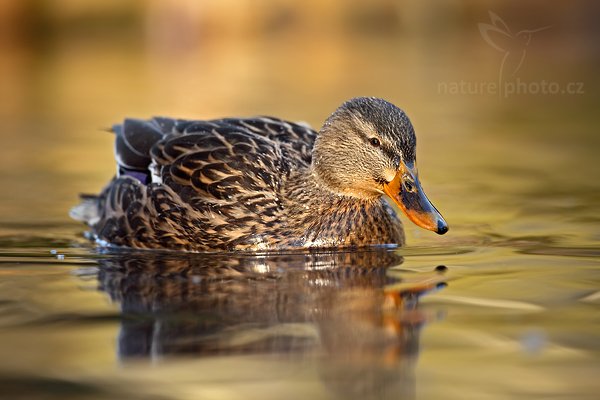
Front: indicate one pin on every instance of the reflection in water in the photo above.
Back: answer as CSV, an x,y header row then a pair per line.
x,y
340,310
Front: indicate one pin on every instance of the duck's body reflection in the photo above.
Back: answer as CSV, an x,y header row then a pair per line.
x,y
334,308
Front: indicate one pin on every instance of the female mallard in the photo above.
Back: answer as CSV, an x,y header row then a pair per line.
x,y
262,183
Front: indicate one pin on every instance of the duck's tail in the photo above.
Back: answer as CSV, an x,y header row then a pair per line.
x,y
87,210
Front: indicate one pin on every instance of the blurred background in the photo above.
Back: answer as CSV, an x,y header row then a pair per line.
x,y
70,69
504,98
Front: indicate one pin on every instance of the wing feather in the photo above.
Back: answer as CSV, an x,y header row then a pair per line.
x,y
226,168
223,169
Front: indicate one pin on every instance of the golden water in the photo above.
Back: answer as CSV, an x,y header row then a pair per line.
x,y
516,178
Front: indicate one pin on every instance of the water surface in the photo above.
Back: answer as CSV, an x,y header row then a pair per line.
x,y
504,306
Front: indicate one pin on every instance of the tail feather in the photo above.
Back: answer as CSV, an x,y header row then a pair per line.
x,y
86,211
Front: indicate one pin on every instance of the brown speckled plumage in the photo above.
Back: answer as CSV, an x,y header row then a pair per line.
x,y
254,183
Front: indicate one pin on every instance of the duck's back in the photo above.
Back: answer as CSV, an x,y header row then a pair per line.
x,y
197,185
140,142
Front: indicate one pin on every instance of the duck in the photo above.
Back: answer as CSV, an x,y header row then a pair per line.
x,y
262,183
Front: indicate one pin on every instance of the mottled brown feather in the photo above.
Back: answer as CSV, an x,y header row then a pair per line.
x,y
233,184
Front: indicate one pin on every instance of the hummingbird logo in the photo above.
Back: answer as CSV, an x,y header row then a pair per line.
x,y
513,45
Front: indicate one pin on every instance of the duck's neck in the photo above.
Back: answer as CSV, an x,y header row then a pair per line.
x,y
353,194
330,219
309,182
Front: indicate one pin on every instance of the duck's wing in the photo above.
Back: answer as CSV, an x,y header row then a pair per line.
x,y
221,168
136,137
229,167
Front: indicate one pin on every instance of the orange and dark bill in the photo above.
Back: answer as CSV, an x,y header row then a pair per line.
x,y
405,190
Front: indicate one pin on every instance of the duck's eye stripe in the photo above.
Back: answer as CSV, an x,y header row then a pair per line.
x,y
375,142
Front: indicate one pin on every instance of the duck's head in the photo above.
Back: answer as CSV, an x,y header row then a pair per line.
x,y
366,149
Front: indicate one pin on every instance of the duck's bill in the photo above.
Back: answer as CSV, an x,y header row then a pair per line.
x,y
405,190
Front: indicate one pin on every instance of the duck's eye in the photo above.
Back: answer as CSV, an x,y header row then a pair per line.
x,y
375,142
